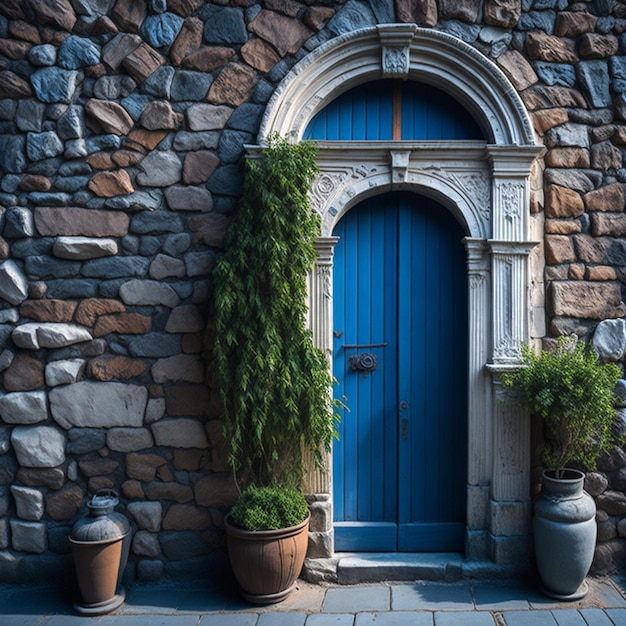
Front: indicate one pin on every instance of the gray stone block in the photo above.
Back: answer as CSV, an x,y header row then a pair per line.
x,y
28,536
29,503
38,446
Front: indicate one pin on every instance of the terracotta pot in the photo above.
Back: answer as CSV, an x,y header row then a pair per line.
x,y
267,563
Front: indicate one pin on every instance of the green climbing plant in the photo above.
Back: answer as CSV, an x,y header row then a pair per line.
x,y
274,384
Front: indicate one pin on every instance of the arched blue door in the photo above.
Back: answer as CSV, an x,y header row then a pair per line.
x,y
400,296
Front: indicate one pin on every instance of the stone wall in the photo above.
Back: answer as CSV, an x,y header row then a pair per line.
x,y
122,128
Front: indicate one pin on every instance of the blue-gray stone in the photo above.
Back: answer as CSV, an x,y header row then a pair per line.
x,y
74,168
103,142
113,87
184,544
541,20
44,267
84,440
354,15
54,84
26,247
7,199
617,66
29,115
224,25
44,55
201,291
231,145
227,180
155,222
43,145
185,140
49,198
4,31
135,104
183,290
130,244
595,82
115,267
154,345
188,85
252,12
383,10
619,86
556,73
158,6
605,24
71,125
246,117
110,288
161,29
540,5
10,182
72,288
47,167
8,109
281,69
462,31
175,245
7,128
150,245
137,201
5,334
18,223
93,8
77,52
71,183
56,110
262,92
159,82
12,154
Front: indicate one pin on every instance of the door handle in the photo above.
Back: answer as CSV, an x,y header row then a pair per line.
x,y
405,429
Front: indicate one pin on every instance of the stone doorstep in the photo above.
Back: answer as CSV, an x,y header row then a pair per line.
x,y
351,568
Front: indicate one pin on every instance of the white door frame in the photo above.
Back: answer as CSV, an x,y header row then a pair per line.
x,y
486,184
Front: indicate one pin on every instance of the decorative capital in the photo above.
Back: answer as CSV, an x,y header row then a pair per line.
x,y
396,40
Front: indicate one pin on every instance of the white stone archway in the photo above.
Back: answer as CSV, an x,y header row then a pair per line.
x,y
486,184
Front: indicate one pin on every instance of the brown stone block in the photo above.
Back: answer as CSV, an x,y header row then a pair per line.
x,y
164,474
576,271
35,182
567,157
96,71
97,483
168,491
13,9
543,47
186,517
142,62
143,467
286,34
186,400
185,319
109,367
546,119
159,115
50,477
74,221
104,25
126,158
89,310
608,198
586,300
464,10
562,202
20,29
116,50
56,12
24,374
123,323
14,50
191,459
608,224
563,227
545,97
13,86
210,229
216,490
573,24
421,12
317,17
601,272
188,41
100,161
148,139
98,467
63,505
518,69
184,8
48,310
132,490
208,59
198,166
110,184
233,86
111,116
619,136
259,54
559,249
502,13
595,46
129,14
605,156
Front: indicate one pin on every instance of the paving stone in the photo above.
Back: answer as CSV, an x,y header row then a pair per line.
x,y
431,596
352,599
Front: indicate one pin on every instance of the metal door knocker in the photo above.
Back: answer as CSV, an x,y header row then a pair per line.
x,y
366,362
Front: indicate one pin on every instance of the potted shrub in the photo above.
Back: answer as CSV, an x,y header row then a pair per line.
x,y
274,384
572,393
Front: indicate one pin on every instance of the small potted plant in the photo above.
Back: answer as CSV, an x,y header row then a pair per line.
x,y
573,395
274,384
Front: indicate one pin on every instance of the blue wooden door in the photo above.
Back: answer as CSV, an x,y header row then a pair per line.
x,y
400,298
